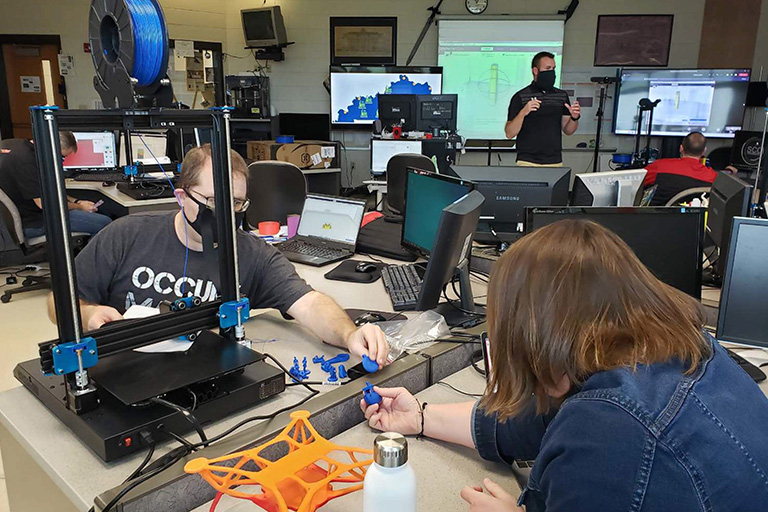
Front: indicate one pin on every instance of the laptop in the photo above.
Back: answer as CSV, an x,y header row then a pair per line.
x,y
327,231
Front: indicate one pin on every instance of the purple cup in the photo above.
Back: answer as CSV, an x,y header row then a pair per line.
x,y
293,224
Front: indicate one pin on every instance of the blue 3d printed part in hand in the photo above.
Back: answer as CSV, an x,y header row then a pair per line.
x,y
370,365
332,377
369,395
342,372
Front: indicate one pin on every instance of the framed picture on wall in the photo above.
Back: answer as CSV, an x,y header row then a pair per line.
x,y
633,40
363,40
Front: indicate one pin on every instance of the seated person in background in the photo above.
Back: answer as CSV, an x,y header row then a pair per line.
x,y
142,259
20,180
603,374
673,175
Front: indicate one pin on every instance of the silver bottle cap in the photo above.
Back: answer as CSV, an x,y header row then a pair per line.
x,y
390,450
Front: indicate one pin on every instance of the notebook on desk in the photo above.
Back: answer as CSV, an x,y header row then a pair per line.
x,y
327,231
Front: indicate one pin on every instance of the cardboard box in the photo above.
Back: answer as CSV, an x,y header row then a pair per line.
x,y
305,155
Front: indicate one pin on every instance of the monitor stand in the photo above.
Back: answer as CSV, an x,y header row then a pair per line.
x,y
467,314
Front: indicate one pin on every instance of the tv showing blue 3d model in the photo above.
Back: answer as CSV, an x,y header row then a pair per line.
x,y
355,90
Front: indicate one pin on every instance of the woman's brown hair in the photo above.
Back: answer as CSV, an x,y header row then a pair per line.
x,y
572,299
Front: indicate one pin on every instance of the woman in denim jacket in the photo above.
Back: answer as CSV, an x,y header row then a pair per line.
x,y
602,373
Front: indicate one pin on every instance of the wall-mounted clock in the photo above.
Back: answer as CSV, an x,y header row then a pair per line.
x,y
476,6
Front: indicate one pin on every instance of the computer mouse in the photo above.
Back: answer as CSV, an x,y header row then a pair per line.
x,y
108,184
369,318
365,266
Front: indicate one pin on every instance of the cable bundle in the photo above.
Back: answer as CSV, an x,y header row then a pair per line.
x,y
148,33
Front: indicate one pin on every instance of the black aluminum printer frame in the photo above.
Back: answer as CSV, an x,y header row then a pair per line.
x,y
75,405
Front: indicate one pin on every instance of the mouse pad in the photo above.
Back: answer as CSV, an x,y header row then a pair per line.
x,y
345,271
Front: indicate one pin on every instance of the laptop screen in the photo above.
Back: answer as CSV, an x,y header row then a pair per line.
x,y
331,218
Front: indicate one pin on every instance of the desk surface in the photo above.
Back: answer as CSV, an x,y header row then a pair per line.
x,y
81,475
120,198
438,491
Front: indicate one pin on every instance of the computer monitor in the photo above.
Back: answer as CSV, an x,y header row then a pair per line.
x,y
508,191
305,126
436,111
614,188
384,149
96,151
263,27
426,195
669,241
355,90
419,112
149,148
745,152
707,100
728,198
452,249
743,302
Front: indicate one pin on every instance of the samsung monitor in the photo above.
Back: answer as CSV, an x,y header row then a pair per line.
x,y
152,148
263,27
728,198
456,224
710,101
96,151
508,191
384,149
426,195
355,90
669,241
614,188
743,302
305,126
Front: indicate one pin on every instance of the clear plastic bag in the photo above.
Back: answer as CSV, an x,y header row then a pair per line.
x,y
415,333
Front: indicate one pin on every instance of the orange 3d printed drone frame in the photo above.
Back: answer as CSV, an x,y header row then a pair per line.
x,y
303,480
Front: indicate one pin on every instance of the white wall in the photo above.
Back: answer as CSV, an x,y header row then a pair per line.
x,y
297,82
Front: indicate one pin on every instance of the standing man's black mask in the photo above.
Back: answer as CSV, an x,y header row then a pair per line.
x,y
546,80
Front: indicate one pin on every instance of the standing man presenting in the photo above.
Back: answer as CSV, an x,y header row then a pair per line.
x,y
537,115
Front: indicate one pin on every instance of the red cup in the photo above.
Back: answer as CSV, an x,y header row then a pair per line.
x,y
269,228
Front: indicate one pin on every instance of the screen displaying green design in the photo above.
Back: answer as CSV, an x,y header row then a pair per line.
x,y
487,62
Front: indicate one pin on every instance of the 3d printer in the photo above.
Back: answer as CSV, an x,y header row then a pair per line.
x,y
113,398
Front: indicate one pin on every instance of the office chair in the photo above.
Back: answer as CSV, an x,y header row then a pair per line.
x,y
16,249
720,158
397,169
276,190
687,195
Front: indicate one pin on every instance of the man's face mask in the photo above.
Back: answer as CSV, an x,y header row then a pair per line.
x,y
546,80
206,219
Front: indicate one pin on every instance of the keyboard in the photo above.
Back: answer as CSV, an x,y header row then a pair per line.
x,y
142,191
101,176
312,250
403,285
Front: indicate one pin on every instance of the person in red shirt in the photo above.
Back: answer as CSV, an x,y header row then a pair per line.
x,y
673,175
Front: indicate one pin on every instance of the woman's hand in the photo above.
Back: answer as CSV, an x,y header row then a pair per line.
x,y
495,499
398,411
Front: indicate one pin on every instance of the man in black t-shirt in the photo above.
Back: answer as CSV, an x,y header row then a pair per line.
x,y
538,113
144,259
20,180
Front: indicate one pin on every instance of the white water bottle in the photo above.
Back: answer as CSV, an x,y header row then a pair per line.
x,y
390,483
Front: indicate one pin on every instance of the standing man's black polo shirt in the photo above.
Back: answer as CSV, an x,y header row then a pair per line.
x,y
540,140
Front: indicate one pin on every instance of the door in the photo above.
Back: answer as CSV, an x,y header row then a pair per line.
x,y
32,76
